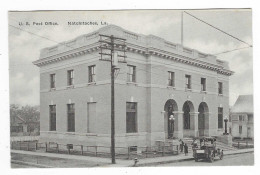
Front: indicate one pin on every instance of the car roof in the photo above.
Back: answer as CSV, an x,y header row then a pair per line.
x,y
208,138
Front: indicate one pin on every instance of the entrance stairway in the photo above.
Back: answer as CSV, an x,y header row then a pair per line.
x,y
219,145
189,141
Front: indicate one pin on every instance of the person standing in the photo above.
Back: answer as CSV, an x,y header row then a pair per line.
x,y
181,145
194,143
186,149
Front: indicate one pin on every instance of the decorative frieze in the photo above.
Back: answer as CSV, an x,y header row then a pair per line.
x,y
135,48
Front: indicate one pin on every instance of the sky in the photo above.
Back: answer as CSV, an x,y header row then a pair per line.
x,y
24,47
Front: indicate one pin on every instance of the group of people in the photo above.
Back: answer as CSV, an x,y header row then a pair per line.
x,y
184,146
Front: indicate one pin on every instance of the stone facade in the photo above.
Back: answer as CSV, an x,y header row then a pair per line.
x,y
153,58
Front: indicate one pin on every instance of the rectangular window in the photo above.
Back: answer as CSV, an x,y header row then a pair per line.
x,y
220,88
131,117
171,79
70,77
240,117
131,74
52,80
52,109
91,118
240,129
188,81
250,118
71,117
91,74
203,84
16,128
220,117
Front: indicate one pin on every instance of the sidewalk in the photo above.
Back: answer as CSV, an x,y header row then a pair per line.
x,y
126,163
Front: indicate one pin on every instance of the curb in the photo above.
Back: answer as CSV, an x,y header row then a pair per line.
x,y
163,162
31,164
124,164
181,160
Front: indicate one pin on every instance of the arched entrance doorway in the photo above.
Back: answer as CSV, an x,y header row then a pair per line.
x,y
202,117
169,108
187,109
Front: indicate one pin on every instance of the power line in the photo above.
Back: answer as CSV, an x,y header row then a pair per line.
x,y
228,51
43,37
218,29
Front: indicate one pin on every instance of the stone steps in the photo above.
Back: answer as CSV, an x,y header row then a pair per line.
x,y
219,144
189,141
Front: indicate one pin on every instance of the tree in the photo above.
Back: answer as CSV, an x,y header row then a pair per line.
x,y
30,114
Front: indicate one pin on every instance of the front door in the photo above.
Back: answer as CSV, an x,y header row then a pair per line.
x,y
170,122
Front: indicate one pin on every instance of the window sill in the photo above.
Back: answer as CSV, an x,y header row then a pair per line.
x,y
132,134
171,87
186,89
131,83
53,89
70,133
91,134
203,92
91,83
220,95
70,86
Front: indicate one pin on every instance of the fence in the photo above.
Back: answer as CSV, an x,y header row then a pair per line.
x,y
97,151
243,144
24,138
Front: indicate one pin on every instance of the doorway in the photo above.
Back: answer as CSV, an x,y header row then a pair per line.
x,y
169,108
203,111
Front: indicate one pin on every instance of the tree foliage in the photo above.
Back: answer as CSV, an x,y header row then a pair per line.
x,y
30,114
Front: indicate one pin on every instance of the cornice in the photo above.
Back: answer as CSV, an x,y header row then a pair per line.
x,y
89,49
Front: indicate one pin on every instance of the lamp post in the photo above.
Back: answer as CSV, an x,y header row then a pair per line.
x,y
171,120
225,120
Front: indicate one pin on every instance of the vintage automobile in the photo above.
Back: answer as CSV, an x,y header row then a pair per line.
x,y
207,150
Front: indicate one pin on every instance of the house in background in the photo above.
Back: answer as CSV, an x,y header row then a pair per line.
x,y
242,117
17,126
20,127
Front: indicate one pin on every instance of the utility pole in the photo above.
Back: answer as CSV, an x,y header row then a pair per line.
x,y
112,44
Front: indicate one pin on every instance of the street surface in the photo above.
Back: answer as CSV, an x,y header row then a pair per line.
x,y
245,159
228,160
52,162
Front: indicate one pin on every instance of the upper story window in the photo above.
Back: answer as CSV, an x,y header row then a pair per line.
x,y
250,118
91,74
203,84
52,80
241,118
220,88
171,79
188,81
70,77
131,74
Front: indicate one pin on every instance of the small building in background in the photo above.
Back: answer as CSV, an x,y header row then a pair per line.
x,y
17,126
242,117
